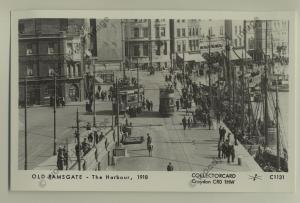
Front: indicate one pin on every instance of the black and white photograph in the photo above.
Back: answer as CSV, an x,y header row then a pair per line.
x,y
204,96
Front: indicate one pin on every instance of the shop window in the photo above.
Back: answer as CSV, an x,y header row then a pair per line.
x,y
29,49
51,48
29,70
145,50
51,71
136,50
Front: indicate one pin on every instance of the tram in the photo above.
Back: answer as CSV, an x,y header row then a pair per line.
x,y
166,101
131,97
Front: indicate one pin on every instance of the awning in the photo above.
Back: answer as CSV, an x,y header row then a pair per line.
x,y
238,54
192,57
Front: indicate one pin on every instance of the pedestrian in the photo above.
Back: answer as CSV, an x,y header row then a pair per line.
x,y
65,154
177,105
223,133
96,137
88,126
86,107
151,105
149,140
184,122
57,101
220,133
194,118
170,167
189,122
60,159
150,149
148,104
90,137
209,121
230,153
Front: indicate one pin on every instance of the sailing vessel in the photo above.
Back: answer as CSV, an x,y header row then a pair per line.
x,y
262,133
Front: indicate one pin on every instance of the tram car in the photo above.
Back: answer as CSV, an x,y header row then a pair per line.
x,y
128,98
166,101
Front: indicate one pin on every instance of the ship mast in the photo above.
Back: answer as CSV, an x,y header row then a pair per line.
x,y
266,90
277,128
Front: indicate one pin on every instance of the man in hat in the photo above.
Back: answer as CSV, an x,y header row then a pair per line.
x,y
170,167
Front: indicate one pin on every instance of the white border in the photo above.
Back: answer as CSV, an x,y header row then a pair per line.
x,y
159,181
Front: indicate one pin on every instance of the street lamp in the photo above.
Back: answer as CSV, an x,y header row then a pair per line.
x,y
54,116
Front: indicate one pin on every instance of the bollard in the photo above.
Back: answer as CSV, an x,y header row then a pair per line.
x,y
239,161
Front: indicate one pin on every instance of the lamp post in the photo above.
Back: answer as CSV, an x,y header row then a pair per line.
x,y
25,121
54,117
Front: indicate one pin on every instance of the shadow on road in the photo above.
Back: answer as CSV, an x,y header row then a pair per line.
x,y
102,112
149,114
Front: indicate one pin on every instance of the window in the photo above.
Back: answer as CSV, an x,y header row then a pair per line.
x,y
29,70
240,42
145,32
165,48
136,33
136,50
178,32
197,31
235,42
178,48
183,21
235,30
163,31
221,30
50,71
21,28
183,32
51,48
197,44
178,21
69,48
157,31
183,47
193,31
145,50
158,44
191,45
29,49
240,29
190,31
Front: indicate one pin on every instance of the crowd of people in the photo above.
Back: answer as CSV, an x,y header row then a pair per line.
x,y
60,101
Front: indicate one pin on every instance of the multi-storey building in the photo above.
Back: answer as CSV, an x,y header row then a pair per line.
x,y
147,42
213,34
271,38
240,35
49,47
192,38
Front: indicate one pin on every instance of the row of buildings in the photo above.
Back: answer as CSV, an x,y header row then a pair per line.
x,y
69,49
